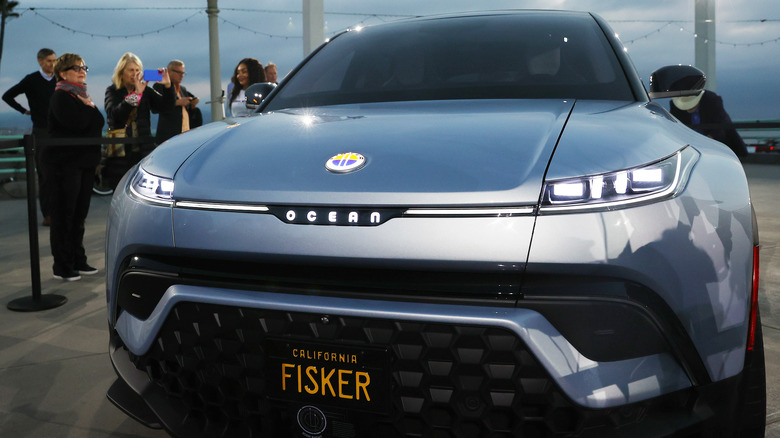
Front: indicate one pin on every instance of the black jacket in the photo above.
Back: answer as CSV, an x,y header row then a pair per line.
x,y
118,110
38,92
712,113
69,117
169,123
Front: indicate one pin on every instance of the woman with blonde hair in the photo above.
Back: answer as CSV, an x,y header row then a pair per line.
x,y
128,103
72,114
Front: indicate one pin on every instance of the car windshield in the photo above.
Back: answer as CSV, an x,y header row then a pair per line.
x,y
527,56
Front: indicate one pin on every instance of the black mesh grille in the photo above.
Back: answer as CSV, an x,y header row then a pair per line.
x,y
448,381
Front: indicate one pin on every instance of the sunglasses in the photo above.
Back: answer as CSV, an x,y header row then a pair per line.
x,y
78,68
177,71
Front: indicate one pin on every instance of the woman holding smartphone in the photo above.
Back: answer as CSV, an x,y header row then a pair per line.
x,y
129,103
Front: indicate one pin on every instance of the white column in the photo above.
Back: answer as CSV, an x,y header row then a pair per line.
x,y
704,42
217,107
313,25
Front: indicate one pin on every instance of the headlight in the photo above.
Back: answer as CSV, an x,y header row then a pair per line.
x,y
661,179
151,188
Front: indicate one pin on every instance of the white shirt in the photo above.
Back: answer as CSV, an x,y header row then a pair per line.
x,y
45,76
238,106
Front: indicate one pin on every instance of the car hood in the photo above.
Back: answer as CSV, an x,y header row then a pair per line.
x,y
451,153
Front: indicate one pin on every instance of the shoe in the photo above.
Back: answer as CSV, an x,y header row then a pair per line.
x,y
46,221
67,276
85,269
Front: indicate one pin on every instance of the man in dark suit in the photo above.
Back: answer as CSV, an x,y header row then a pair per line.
x,y
184,116
705,114
38,87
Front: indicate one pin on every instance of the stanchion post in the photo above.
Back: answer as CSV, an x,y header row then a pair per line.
x,y
37,301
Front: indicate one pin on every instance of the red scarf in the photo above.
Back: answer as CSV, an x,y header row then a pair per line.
x,y
72,88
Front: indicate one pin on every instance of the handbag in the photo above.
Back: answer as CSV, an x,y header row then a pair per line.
x,y
117,150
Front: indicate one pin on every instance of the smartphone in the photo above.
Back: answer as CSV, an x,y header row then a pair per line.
x,y
152,75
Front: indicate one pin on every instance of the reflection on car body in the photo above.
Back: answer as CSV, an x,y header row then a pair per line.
x,y
485,216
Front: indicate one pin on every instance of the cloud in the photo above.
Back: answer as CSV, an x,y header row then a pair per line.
x,y
252,29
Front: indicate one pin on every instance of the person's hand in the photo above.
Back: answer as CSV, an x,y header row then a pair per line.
x,y
166,79
87,100
194,101
140,85
184,101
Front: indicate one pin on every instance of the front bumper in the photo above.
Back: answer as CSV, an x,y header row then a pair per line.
x,y
206,372
200,362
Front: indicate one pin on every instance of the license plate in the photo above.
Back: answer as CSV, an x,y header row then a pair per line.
x,y
329,375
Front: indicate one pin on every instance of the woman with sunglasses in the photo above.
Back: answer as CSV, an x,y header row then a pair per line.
x,y
72,114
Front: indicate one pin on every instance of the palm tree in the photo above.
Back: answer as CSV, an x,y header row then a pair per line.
x,y
7,11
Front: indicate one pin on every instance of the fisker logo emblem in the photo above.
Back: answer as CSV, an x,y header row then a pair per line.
x,y
346,162
312,420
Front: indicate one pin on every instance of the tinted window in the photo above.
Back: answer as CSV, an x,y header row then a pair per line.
x,y
561,56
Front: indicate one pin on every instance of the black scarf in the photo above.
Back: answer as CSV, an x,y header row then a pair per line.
x,y
74,89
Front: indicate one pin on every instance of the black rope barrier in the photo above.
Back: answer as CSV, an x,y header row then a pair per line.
x,y
38,301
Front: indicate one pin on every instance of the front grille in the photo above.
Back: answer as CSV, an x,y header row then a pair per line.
x,y
144,279
446,380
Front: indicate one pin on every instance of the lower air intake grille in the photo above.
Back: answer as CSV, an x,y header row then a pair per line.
x,y
445,381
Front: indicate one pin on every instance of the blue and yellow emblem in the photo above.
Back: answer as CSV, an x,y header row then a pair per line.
x,y
346,162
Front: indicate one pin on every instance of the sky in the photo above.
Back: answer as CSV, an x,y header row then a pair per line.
x,y
656,33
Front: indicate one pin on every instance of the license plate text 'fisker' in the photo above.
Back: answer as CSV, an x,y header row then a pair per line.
x,y
341,383
347,377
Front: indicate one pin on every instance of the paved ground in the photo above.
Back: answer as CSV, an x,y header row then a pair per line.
x,y
54,366
764,187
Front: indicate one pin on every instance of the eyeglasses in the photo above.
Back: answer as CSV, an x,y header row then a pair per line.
x,y
177,71
78,68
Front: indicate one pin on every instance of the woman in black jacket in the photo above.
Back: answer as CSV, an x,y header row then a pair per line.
x,y
128,104
72,114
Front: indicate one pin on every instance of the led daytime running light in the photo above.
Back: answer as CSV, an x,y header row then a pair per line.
x,y
152,188
616,189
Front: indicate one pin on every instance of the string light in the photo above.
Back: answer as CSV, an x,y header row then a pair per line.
x,y
360,23
190,8
648,34
257,32
92,34
683,29
290,25
727,43
380,17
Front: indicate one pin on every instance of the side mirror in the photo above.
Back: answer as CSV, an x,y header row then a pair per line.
x,y
257,92
676,80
